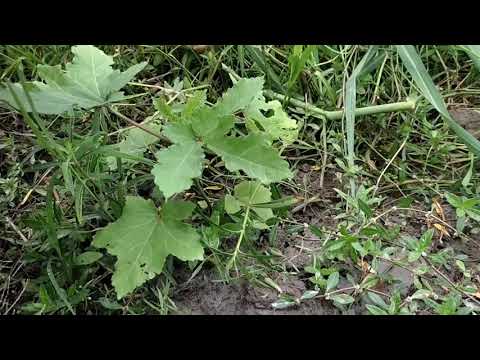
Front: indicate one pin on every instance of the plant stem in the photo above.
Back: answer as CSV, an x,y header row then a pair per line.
x,y
337,115
242,234
445,277
140,126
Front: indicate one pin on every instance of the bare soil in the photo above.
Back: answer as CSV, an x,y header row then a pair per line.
x,y
207,295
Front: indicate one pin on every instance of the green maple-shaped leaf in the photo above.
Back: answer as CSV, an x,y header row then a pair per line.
x,y
142,238
250,193
179,132
193,104
178,165
251,155
239,96
278,126
87,82
208,123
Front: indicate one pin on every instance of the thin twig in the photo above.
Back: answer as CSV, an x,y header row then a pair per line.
x,y
14,227
389,163
17,299
445,277
140,126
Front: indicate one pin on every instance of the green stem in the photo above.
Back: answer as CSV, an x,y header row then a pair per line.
x,y
242,234
337,115
334,115
140,126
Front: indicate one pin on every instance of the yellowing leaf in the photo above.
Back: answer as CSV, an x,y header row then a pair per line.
x,y
438,209
441,229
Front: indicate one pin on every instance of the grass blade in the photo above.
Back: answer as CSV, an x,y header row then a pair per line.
x,y
419,73
350,104
259,59
474,52
60,292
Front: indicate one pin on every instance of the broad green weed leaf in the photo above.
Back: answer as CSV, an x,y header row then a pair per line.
x,y
250,193
474,214
178,165
278,126
239,96
332,281
251,155
375,310
178,210
45,99
179,132
454,200
88,257
141,239
419,73
232,205
194,103
208,123
342,299
87,82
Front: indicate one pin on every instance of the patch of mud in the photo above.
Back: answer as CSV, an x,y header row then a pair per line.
x,y
468,118
205,295
298,246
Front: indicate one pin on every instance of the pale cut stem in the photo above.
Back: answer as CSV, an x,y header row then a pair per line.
x,y
240,238
408,105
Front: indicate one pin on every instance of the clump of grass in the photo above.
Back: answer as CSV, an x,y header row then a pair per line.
x,y
394,167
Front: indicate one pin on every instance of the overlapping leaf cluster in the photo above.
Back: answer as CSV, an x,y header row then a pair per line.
x,y
142,238
211,128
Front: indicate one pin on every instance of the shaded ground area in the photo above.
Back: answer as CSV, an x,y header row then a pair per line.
x,y
206,295
468,118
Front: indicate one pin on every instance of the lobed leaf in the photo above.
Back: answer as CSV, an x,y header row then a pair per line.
x,y
141,239
178,165
88,81
251,155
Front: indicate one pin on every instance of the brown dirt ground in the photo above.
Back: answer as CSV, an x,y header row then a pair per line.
x,y
205,295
